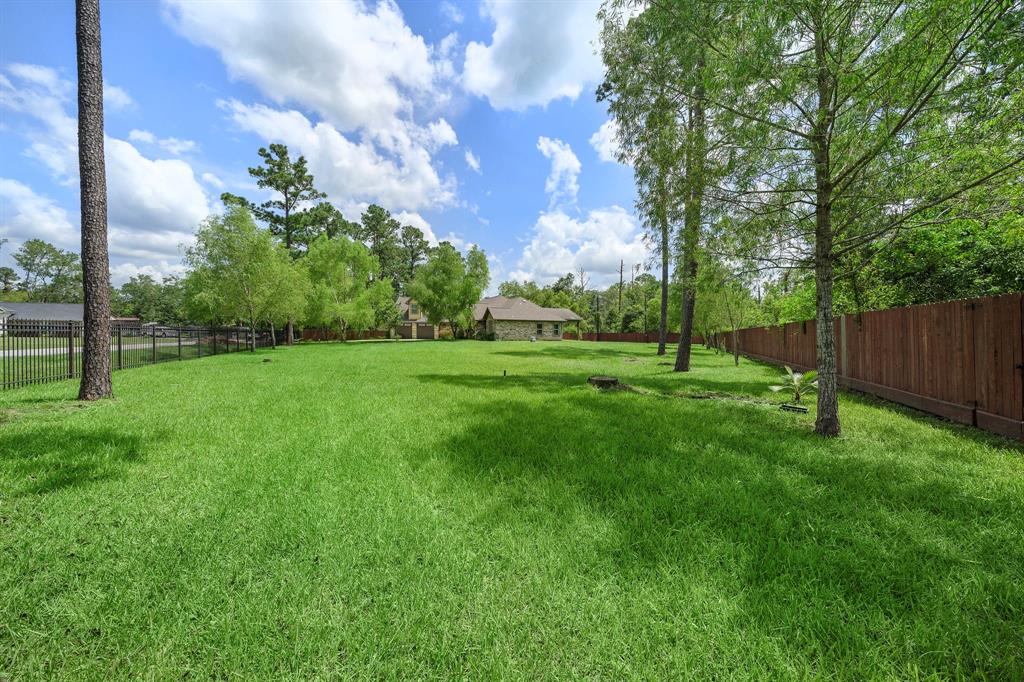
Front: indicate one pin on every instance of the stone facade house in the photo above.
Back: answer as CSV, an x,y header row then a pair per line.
x,y
517,319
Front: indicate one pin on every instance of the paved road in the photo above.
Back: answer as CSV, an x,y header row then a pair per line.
x,y
144,345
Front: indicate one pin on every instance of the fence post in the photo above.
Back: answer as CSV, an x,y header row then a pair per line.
x,y
179,343
119,360
71,350
214,341
154,345
199,342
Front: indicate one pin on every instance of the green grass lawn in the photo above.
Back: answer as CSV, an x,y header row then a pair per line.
x,y
404,510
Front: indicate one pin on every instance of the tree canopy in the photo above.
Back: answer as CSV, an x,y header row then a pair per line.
x,y
448,284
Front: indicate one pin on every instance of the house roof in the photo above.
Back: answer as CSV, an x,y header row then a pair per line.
x,y
520,309
42,311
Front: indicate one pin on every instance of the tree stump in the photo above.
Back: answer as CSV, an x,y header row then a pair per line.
x,y
603,382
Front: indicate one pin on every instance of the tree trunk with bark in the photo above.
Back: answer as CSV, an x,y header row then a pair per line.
x,y
692,221
827,421
663,321
96,380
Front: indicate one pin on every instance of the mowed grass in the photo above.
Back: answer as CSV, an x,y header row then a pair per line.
x,y
385,510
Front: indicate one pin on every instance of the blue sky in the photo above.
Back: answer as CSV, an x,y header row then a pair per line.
x,y
475,121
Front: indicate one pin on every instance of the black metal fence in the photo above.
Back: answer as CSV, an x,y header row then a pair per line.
x,y
37,351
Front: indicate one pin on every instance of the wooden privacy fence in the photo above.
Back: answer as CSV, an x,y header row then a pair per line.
x,y
37,351
963,360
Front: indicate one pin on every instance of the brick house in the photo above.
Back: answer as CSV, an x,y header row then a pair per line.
x,y
517,319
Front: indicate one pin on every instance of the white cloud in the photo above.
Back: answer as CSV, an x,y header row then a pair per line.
x,y
472,161
26,215
351,172
178,147
605,141
562,182
358,67
213,181
451,12
418,221
354,90
561,244
539,51
122,272
142,136
152,195
440,134
153,204
116,98
171,144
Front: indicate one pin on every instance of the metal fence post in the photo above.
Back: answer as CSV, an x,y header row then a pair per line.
x,y
154,345
179,343
71,350
214,341
120,362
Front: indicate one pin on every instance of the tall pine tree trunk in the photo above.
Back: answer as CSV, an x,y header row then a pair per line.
x,y
663,321
96,369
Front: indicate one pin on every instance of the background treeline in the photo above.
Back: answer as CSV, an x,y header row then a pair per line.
x,y
290,260
820,156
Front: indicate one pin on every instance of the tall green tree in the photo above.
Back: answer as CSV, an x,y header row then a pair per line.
x,y
292,214
448,285
866,117
647,125
659,66
51,275
414,249
8,278
343,294
238,272
380,232
288,213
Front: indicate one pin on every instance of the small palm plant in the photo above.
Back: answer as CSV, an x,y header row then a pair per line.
x,y
797,382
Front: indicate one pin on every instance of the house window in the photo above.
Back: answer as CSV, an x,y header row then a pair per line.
x,y
540,329
414,310
556,329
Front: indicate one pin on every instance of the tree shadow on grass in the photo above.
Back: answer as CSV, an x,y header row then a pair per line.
x,y
818,538
47,457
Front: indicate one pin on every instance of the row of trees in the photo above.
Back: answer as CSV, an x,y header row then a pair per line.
x,y
810,136
242,272
297,216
